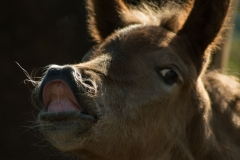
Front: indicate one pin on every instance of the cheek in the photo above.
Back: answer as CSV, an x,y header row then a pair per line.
x,y
139,112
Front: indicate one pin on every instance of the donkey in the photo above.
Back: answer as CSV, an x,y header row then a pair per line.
x,y
144,92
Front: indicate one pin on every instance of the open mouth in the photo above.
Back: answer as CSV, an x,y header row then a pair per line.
x,y
61,104
67,111
58,97
64,120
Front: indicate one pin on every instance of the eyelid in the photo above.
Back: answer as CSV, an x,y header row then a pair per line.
x,y
173,68
164,71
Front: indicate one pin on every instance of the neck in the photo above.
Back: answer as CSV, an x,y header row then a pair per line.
x,y
198,138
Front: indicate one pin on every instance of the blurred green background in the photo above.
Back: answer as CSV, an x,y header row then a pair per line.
x,y
234,59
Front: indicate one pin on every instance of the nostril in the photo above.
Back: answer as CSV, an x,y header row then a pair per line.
x,y
89,86
89,83
86,80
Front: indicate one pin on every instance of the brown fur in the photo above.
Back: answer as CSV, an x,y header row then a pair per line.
x,y
140,116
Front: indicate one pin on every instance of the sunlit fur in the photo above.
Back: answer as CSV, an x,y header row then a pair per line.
x,y
139,115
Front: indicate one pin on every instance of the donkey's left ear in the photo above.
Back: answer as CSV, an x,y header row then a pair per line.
x,y
104,17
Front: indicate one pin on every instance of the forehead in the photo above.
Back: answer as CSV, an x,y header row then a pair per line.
x,y
136,38
132,49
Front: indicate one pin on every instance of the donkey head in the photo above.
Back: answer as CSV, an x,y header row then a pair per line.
x,y
137,91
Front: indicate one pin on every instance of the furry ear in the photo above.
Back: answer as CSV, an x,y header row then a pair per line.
x,y
104,17
205,22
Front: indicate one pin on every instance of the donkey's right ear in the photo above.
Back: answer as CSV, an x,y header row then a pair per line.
x,y
104,17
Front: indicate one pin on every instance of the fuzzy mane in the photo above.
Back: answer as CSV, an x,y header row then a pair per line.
x,y
170,14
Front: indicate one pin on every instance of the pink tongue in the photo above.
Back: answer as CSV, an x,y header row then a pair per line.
x,y
58,97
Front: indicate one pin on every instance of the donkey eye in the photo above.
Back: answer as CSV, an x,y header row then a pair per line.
x,y
169,76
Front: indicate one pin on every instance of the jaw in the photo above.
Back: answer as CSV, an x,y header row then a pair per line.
x,y
65,130
64,121
105,138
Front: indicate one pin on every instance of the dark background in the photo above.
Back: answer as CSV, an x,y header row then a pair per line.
x,y
33,33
